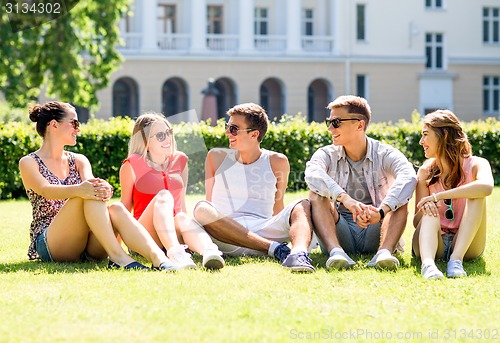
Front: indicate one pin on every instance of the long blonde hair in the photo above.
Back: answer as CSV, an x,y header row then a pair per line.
x,y
141,134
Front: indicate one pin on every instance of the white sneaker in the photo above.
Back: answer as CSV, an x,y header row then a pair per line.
x,y
383,259
212,258
180,257
339,260
455,269
431,271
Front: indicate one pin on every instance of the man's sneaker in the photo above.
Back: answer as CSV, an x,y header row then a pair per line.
x,y
339,260
298,262
383,259
431,271
455,269
281,252
180,257
212,258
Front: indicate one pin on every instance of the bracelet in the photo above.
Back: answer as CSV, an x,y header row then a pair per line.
x,y
435,198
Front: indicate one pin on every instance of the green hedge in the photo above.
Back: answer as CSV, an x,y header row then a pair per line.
x,y
105,143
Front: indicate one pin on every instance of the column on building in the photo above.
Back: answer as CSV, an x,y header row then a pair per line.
x,y
246,22
293,26
149,11
198,26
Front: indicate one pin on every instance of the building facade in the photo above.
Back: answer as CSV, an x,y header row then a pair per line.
x,y
295,56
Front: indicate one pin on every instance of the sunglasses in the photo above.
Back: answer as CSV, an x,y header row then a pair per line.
x,y
161,136
233,130
449,214
74,122
335,122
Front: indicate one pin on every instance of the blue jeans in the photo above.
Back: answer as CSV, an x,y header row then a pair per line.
x,y
42,248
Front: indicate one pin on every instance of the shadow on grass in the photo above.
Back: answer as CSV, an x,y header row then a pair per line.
x,y
38,267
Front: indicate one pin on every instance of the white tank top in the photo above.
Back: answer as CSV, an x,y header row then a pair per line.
x,y
242,190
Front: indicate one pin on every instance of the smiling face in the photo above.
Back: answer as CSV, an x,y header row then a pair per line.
x,y
429,142
160,140
68,127
346,132
243,137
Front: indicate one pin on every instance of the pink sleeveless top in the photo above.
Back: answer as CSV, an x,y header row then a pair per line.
x,y
458,205
149,181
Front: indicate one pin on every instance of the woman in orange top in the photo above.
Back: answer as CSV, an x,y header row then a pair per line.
x,y
450,210
154,180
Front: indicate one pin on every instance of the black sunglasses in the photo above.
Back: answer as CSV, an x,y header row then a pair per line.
x,y
161,136
74,122
335,122
233,130
449,214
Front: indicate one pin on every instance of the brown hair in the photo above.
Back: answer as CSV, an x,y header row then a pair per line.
x,y
354,105
255,116
42,115
453,146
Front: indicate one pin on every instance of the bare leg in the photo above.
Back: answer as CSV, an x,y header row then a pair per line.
x,y
392,228
471,236
227,230
192,233
69,233
427,239
134,234
324,218
158,219
301,226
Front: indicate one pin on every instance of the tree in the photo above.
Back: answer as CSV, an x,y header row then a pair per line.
x,y
71,53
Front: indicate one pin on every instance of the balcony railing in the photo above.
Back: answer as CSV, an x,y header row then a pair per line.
x,y
317,43
174,41
131,41
270,42
223,43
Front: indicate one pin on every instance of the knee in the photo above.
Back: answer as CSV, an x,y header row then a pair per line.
x,y
116,209
164,199
204,212
318,200
303,207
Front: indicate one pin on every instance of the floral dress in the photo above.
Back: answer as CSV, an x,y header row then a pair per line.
x,y
45,210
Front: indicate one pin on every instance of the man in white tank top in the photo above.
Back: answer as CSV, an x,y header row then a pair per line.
x,y
244,210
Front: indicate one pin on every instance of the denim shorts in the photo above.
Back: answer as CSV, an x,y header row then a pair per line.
x,y
448,245
42,248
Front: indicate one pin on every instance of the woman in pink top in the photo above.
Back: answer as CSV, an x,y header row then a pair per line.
x,y
154,180
450,210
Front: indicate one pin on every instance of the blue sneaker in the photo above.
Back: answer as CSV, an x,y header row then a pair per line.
x,y
298,262
281,252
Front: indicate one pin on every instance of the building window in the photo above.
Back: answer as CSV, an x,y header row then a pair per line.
x,y
361,86
261,21
166,18
125,97
491,25
307,22
491,95
434,51
434,4
360,22
214,19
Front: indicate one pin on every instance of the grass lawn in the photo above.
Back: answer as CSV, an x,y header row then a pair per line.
x,y
250,300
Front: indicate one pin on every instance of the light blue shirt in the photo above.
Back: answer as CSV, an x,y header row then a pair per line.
x,y
389,175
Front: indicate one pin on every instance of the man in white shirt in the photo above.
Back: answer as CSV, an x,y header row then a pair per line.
x,y
359,189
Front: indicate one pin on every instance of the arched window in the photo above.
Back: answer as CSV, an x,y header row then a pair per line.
x,y
125,97
272,98
318,97
174,96
226,97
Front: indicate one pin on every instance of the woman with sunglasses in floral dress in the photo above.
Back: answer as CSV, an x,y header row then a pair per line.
x,y
154,178
71,221
450,211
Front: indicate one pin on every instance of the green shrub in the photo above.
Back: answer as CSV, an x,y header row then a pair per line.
x,y
105,143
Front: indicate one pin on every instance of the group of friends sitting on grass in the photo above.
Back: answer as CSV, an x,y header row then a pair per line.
x,y
359,189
